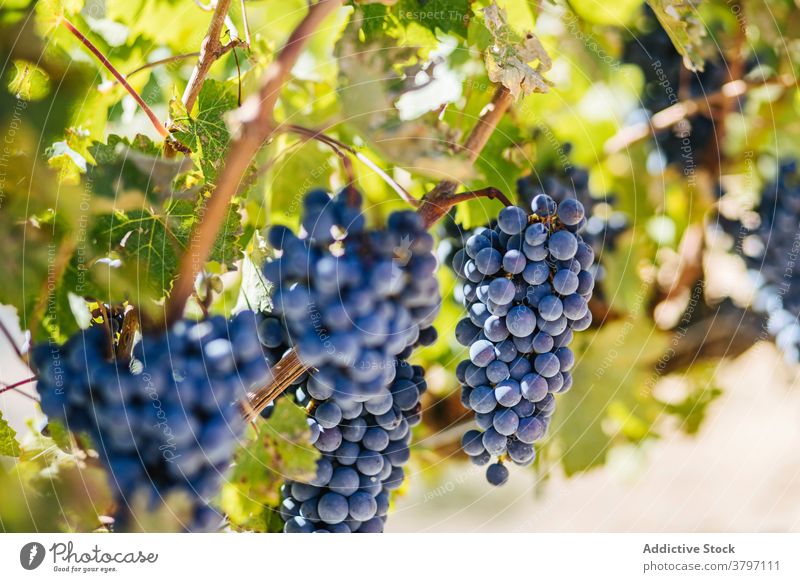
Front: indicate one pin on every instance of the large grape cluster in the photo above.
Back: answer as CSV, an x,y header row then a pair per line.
x,y
353,299
364,447
526,289
165,421
770,251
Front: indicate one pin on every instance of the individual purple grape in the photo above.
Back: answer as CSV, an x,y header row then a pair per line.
x,y
514,262
565,282
512,220
501,291
543,206
521,321
497,474
550,308
507,393
562,245
482,352
570,212
547,364
488,261
534,387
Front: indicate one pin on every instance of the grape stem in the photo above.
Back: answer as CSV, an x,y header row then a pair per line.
x,y
286,371
159,62
436,203
255,126
339,147
15,386
666,118
210,51
160,127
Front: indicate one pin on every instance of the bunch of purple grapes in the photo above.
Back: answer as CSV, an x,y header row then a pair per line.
x,y
364,447
604,226
527,283
770,251
354,299
165,421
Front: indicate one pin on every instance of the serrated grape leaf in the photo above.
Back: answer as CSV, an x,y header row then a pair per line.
x,y
67,162
254,289
277,450
508,59
609,401
681,22
207,133
122,165
148,245
8,439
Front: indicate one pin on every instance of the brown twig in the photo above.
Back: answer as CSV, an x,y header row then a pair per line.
x,y
7,387
160,127
256,125
337,146
439,201
436,203
163,61
666,118
285,372
211,50
487,123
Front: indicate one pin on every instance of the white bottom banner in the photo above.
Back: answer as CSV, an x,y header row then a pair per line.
x,y
406,557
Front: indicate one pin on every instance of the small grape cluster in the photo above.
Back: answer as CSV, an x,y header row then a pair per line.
x,y
364,447
165,421
770,250
354,299
526,289
663,70
604,226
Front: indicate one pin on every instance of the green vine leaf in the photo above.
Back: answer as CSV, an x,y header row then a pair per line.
x,y
207,134
145,245
8,439
686,30
122,165
278,450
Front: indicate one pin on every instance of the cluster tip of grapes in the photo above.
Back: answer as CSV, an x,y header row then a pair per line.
x,y
526,287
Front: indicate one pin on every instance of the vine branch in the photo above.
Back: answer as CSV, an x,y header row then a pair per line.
x,y
164,61
160,127
210,51
666,118
436,203
256,125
